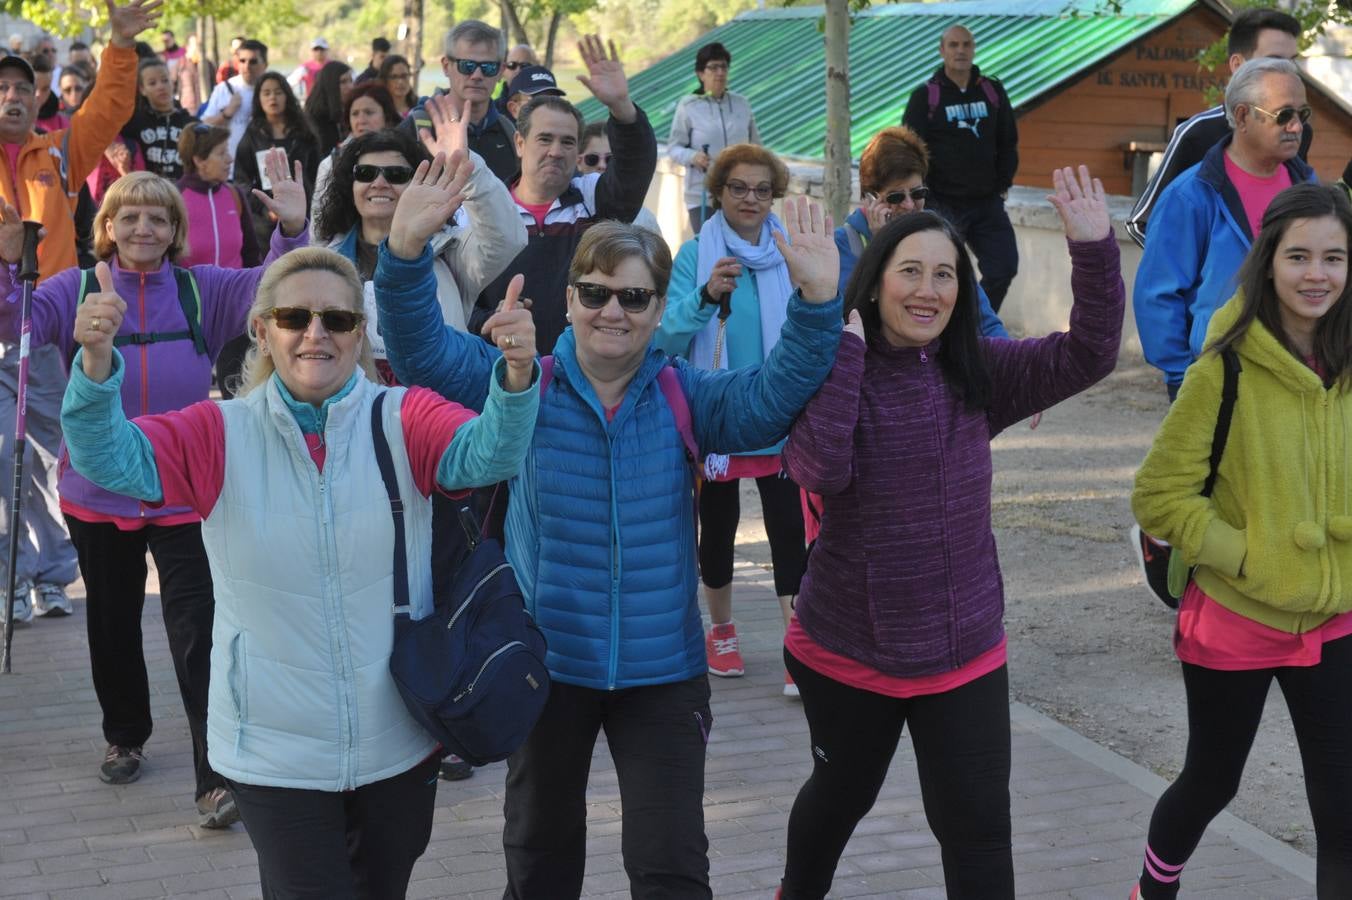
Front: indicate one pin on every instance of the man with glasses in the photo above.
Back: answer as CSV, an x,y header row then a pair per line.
x,y
556,204
42,179
1206,220
473,62
965,120
1254,34
518,58
231,101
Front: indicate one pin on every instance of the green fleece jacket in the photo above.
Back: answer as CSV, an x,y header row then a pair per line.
x,y
1274,541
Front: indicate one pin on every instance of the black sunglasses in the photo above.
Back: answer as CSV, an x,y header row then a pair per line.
x,y
740,189
1284,115
596,296
489,67
512,65
297,318
917,195
365,172
594,159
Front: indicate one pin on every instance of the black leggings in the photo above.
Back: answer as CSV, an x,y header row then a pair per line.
x,y
1224,709
962,754
720,508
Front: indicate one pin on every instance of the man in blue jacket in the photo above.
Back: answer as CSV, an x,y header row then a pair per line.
x,y
1206,220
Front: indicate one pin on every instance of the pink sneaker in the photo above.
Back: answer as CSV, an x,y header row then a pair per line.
x,y
720,647
1135,892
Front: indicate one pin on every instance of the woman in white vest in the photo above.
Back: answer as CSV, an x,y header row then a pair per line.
x,y
304,719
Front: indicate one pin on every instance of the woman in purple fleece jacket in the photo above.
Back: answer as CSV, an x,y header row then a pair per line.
x,y
899,621
139,231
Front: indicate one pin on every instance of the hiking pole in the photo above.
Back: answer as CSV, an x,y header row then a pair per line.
x,y
28,274
703,191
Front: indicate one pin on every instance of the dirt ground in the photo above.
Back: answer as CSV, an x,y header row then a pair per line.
x,y
1088,644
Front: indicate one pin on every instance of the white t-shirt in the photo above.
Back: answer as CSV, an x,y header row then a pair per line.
x,y
220,99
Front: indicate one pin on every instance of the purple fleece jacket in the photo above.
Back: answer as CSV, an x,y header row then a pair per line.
x,y
159,377
904,577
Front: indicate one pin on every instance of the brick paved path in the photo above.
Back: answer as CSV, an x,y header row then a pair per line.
x,y
1080,811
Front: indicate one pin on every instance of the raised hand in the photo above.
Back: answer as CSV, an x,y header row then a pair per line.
x,y
605,77
287,202
431,198
855,325
450,126
809,249
97,320
11,234
1081,204
130,20
512,330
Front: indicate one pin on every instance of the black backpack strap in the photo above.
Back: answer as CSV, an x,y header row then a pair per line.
x,y
1229,393
189,300
386,463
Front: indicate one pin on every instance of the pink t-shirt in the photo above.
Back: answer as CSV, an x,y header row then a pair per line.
x,y
1207,634
538,211
1254,192
866,678
189,447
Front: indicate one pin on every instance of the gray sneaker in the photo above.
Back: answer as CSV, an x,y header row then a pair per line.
x,y
51,600
216,809
22,610
121,765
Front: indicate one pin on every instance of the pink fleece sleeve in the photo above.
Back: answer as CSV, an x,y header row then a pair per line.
x,y
430,422
189,447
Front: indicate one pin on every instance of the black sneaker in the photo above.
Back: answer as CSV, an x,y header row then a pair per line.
x,y
453,768
1154,561
121,765
216,809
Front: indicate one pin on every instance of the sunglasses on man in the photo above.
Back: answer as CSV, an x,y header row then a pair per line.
x,y
594,159
489,67
1284,115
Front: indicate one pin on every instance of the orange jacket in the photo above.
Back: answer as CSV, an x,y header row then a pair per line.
x,y
53,166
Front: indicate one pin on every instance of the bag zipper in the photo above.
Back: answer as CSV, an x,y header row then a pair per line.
x,y
470,598
494,655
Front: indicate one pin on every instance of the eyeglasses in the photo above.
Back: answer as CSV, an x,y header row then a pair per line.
x,y
1284,115
740,189
489,67
594,159
512,65
917,195
393,174
596,296
298,318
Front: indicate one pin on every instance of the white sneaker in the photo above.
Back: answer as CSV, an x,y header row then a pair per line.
x,y
22,610
51,600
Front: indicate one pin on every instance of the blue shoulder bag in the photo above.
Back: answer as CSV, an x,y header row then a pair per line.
x,y
473,672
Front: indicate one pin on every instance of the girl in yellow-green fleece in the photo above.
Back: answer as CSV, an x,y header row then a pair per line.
x,y
1272,589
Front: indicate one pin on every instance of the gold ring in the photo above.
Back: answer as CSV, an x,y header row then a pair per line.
x,y
511,341
94,323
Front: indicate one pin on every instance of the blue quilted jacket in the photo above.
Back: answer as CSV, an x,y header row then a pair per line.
x,y
600,528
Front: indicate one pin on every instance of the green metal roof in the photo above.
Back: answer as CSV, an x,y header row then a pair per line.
x,y
779,60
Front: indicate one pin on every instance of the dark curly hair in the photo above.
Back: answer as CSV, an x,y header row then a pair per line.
x,y
337,212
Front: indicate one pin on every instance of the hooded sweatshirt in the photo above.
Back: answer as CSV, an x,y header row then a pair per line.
x,y
1274,540
155,135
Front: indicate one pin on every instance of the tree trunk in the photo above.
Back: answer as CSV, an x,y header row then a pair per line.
x,y
413,38
216,47
517,31
206,66
837,171
553,37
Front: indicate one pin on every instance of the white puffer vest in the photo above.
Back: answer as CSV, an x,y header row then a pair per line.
x,y
301,694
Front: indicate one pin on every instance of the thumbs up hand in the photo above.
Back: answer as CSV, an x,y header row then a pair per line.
x,y
512,330
97,321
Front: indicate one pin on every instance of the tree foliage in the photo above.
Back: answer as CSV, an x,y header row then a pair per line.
x,y
73,16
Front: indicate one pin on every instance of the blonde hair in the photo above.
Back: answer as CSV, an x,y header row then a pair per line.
x,y
258,366
141,189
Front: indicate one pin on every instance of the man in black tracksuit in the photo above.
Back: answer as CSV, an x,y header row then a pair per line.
x,y
966,121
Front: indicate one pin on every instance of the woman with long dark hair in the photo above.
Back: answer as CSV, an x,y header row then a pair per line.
x,y
324,106
276,120
1266,599
397,76
900,618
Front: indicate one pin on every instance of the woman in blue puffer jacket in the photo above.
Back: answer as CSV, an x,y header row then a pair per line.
x,y
601,529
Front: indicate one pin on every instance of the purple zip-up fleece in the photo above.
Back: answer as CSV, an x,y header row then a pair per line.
x,y
904,577
160,377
